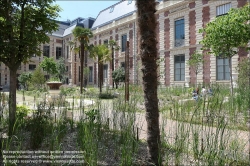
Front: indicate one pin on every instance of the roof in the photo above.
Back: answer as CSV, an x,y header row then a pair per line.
x,y
120,10
65,27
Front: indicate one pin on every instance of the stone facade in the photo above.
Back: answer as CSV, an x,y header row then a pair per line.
x,y
196,14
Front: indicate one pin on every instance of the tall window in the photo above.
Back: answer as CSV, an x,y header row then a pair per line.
x,y
79,73
32,67
179,67
46,51
67,49
105,71
123,65
106,42
222,69
90,74
223,9
179,33
123,44
58,52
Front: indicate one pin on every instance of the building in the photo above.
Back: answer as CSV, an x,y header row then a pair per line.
x,y
177,35
57,47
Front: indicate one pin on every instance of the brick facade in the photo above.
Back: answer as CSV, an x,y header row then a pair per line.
x,y
196,15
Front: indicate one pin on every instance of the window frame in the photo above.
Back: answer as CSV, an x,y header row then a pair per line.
x,y
46,51
225,10
224,67
105,71
181,69
90,73
58,51
106,42
123,42
32,67
176,31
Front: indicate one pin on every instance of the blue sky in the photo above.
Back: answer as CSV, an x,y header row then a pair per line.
x,y
72,9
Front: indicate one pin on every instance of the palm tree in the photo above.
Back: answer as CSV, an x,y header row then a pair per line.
x,y
102,54
82,35
114,47
147,25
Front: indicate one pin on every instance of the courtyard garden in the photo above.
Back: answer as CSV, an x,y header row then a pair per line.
x,y
109,131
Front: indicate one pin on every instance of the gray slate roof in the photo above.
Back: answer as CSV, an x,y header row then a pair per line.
x,y
121,9
65,27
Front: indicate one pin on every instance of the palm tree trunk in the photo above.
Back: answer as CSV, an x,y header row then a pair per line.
x,y
12,102
148,50
81,67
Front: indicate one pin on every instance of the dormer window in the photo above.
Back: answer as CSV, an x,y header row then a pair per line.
x,y
111,9
129,2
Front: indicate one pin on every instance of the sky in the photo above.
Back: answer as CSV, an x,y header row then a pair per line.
x,y
72,9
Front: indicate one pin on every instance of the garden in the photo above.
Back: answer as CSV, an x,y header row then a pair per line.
x,y
109,131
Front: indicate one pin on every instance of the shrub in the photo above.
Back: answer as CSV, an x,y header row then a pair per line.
x,y
106,96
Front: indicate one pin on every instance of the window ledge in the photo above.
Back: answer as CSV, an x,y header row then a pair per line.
x,y
222,81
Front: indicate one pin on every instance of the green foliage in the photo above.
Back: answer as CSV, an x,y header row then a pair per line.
x,y
37,79
68,91
86,72
118,75
25,25
49,65
226,33
22,111
244,73
60,69
196,62
82,35
28,22
106,96
24,79
102,54
92,115
113,45
40,126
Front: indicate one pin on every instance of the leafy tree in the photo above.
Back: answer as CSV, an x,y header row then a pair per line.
x,y
24,79
49,65
114,47
227,33
244,73
118,75
196,62
147,25
82,35
24,25
61,69
102,54
37,79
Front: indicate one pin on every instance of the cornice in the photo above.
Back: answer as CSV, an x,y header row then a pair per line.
x,y
172,6
120,24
